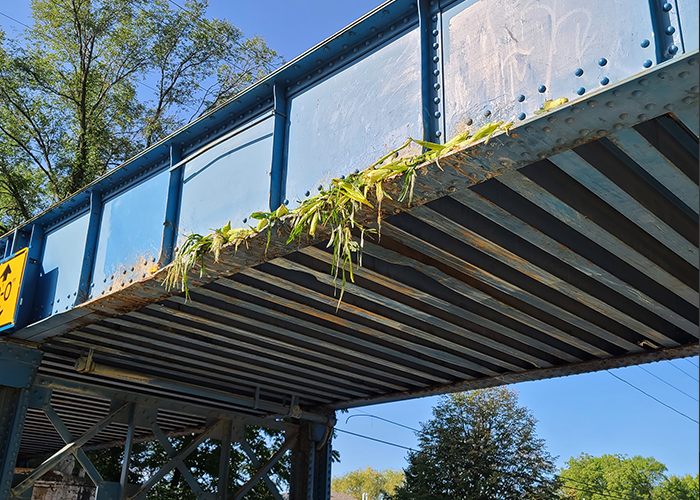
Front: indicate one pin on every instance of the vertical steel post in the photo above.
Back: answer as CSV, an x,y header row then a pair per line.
x,y
172,208
93,232
124,479
311,463
18,366
661,20
431,70
278,172
224,461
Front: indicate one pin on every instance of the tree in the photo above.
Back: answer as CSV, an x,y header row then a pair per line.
x,y
377,484
73,100
678,488
596,478
479,445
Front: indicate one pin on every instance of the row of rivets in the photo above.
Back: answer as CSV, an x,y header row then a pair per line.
x,y
436,71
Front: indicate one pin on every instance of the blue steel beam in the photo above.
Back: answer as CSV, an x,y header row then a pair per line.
x,y
172,208
278,172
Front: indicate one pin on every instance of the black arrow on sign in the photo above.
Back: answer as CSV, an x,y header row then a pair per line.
x,y
5,273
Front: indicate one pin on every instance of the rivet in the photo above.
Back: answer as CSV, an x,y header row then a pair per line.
x,y
541,89
618,126
642,117
521,163
487,113
592,103
355,50
687,100
584,132
578,142
610,104
436,59
669,107
393,28
650,106
405,20
546,129
529,128
379,36
578,72
367,42
319,71
436,72
434,18
645,43
286,202
601,132
647,63
667,7
436,86
510,144
617,92
342,58
435,32
524,154
670,30
636,93
552,119
521,98
672,49
245,219
683,74
521,116
438,133
602,61
437,114
320,187
693,62
576,109
624,116
694,88
469,121
436,45
373,29
569,120
581,91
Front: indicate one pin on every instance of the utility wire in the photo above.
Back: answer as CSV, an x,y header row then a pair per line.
x,y
669,384
682,370
13,19
652,397
383,419
610,490
374,439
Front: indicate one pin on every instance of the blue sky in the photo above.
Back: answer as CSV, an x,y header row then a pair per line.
x,y
593,413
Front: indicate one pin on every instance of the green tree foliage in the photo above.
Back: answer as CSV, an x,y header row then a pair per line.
x,y
73,102
148,457
678,488
479,445
377,484
596,478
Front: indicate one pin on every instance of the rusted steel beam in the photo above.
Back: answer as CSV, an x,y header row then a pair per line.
x,y
537,374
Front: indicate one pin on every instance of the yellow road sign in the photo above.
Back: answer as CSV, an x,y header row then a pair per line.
x,y
11,275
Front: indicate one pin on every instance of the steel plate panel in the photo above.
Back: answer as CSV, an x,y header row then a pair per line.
x,y
130,235
497,50
227,182
351,119
57,284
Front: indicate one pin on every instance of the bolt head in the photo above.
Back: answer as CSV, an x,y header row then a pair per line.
x,y
436,86
647,63
541,89
672,49
521,98
521,116
645,43
435,32
581,91
670,30
605,80
602,61
578,72
667,7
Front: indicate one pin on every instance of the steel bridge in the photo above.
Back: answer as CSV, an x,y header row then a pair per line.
x,y
568,246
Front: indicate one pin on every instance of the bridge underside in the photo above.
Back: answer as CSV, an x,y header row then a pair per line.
x,y
569,246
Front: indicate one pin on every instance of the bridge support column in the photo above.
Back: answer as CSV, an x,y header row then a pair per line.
x,y
18,368
311,463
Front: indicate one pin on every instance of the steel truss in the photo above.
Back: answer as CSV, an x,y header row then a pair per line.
x,y
21,390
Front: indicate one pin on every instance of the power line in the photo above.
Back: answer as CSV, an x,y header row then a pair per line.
x,y
683,371
383,419
652,397
13,19
562,478
669,384
375,439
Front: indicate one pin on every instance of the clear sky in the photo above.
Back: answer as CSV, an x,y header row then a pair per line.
x,y
593,413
